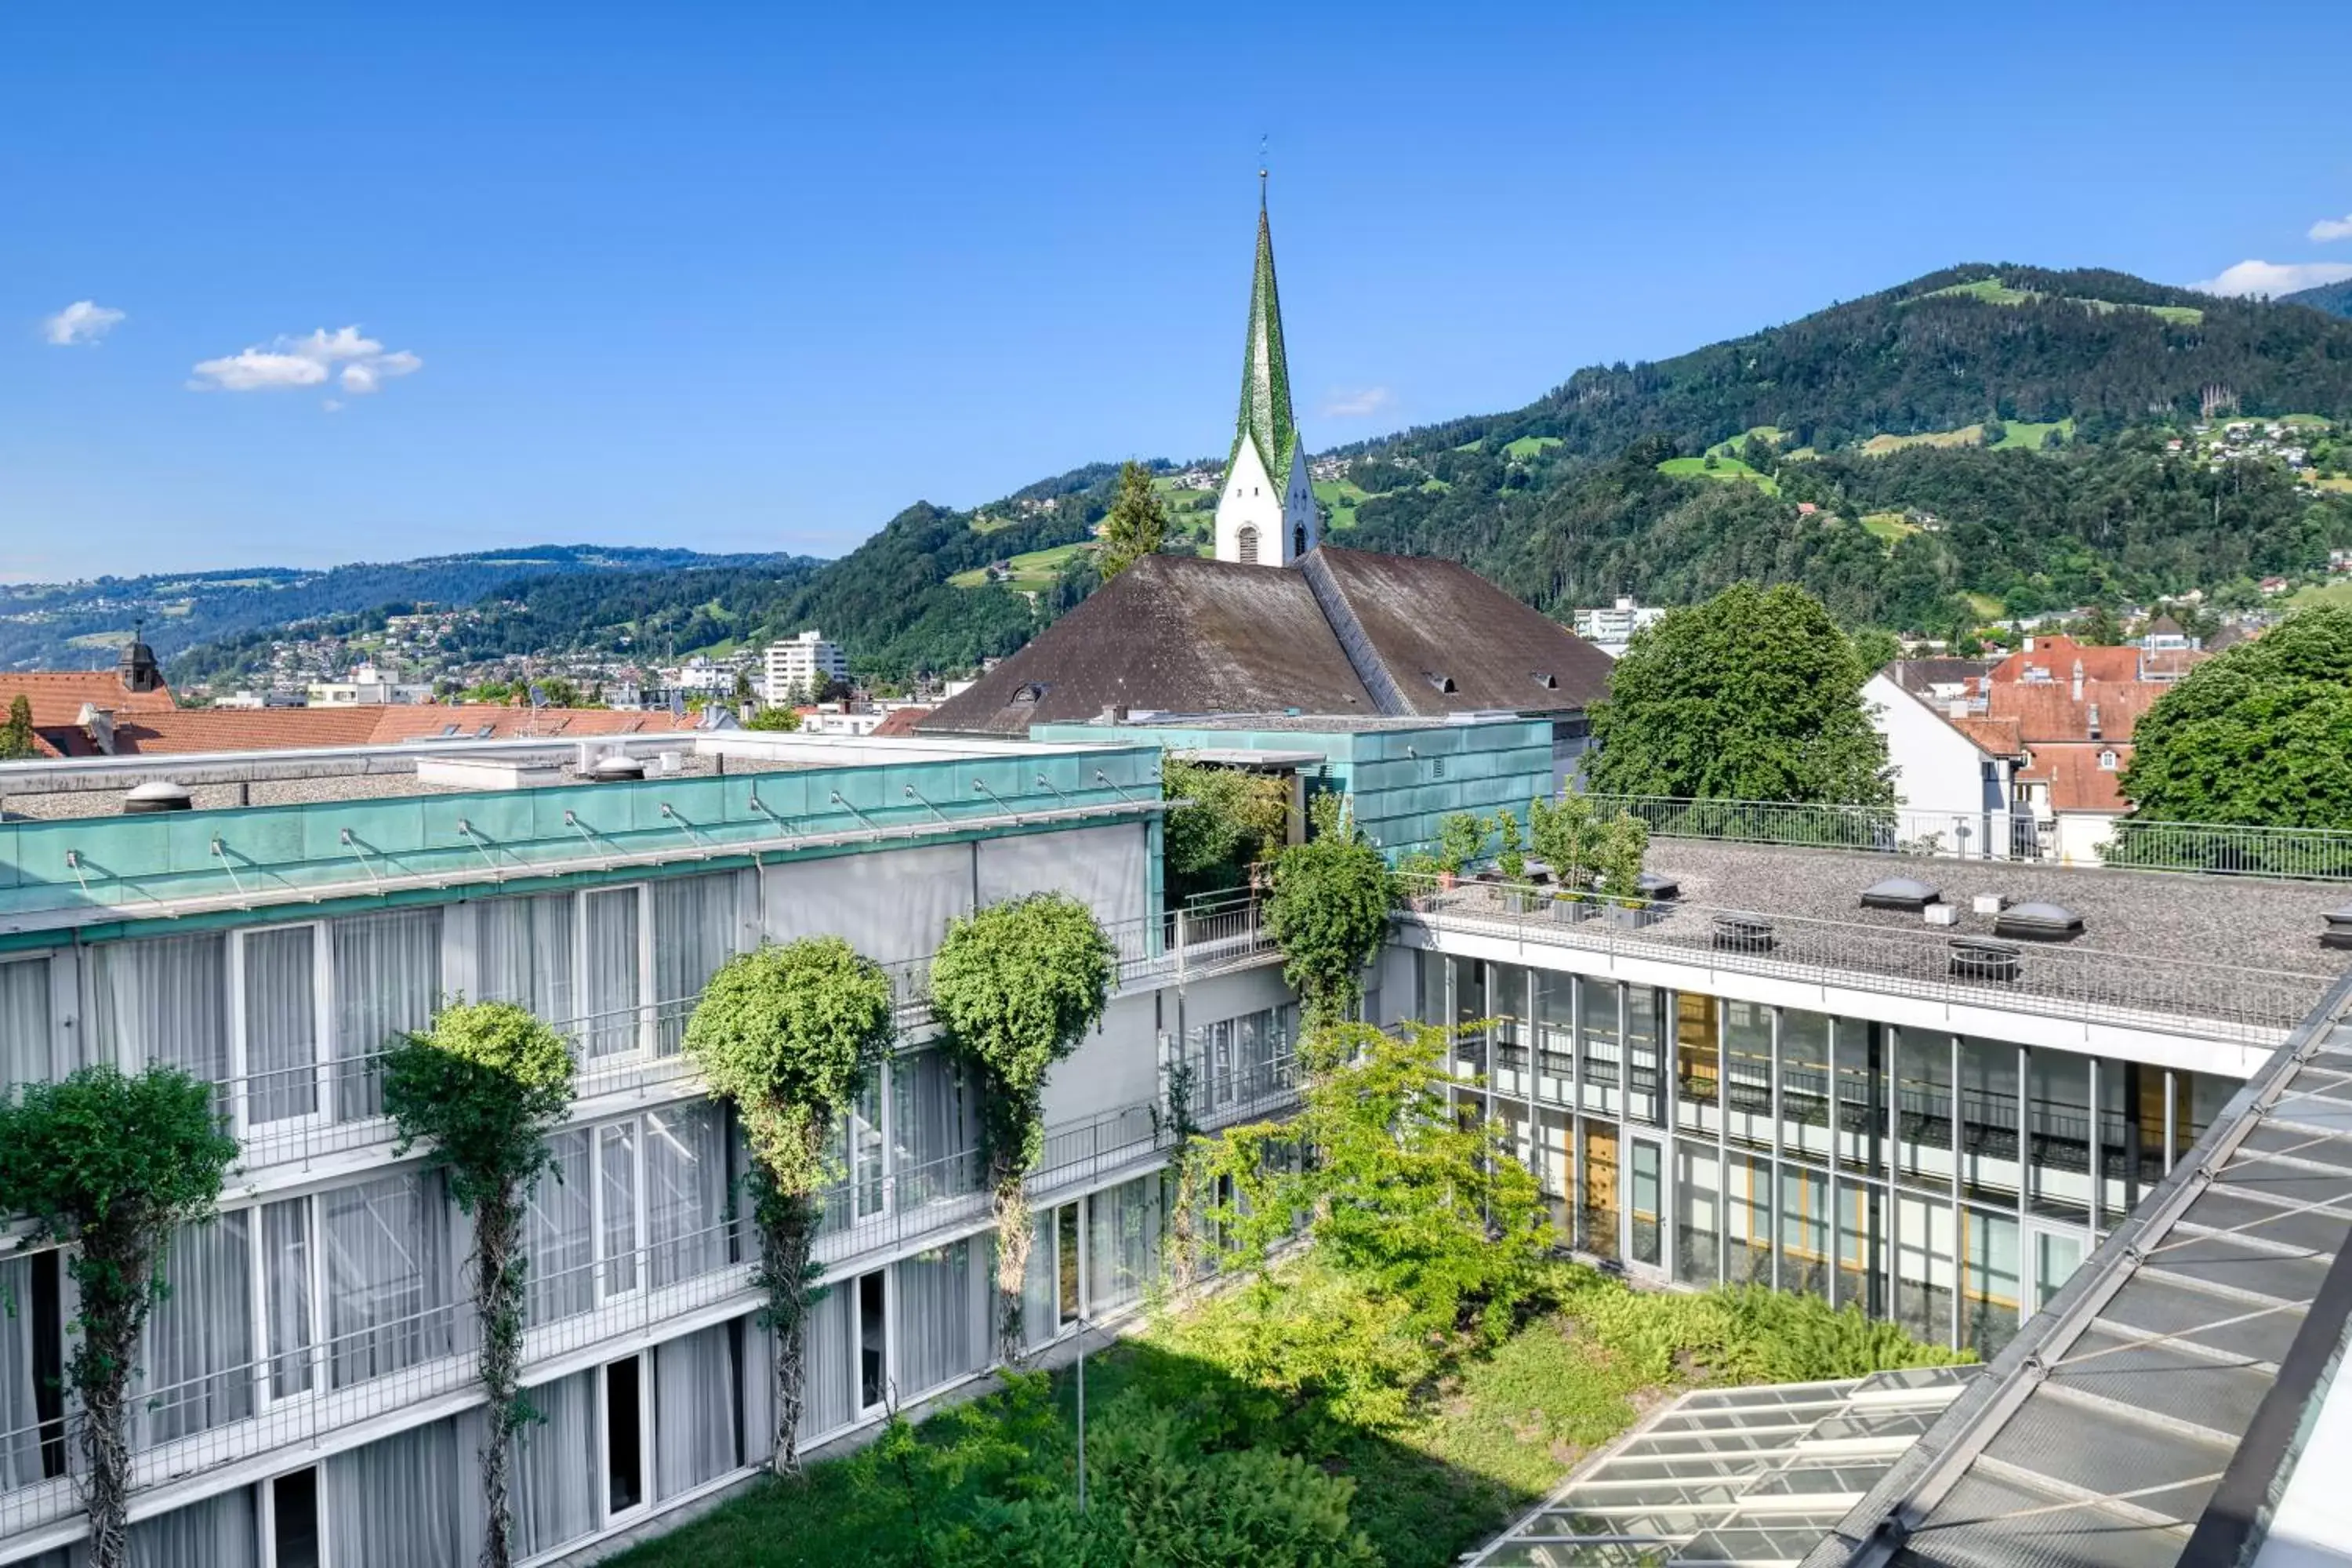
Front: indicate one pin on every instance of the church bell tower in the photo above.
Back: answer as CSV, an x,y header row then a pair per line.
x,y
1266,514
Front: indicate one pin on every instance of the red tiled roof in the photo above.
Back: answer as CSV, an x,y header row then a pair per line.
x,y
2076,780
2052,713
57,697
900,722
193,730
2057,656
1997,736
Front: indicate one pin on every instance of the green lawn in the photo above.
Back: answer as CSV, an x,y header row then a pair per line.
x,y
1984,605
2028,434
1031,572
1993,291
1341,497
1966,436
2337,593
1725,469
1526,446
1891,527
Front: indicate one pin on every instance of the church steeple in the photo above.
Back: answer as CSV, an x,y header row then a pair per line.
x,y
1265,512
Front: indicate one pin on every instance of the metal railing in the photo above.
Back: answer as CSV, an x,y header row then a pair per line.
x,y
297,1115
2296,853
2233,1002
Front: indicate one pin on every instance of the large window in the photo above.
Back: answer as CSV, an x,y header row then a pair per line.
x,y
376,1257
196,1364
387,982
697,927
642,1202
164,999
31,1050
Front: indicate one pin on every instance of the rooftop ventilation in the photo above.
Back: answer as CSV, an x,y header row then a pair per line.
x,y
2038,922
1905,893
157,795
616,770
1744,933
1550,682
1658,888
2338,933
1976,958
1443,682
1029,693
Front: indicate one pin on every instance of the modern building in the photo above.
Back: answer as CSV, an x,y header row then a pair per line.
x,y
368,686
1611,629
798,667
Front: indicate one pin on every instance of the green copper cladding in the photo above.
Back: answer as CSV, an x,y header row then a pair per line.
x,y
1265,417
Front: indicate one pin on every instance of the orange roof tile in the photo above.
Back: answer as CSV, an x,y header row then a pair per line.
x,y
192,729
2076,780
58,695
900,722
2057,656
2052,713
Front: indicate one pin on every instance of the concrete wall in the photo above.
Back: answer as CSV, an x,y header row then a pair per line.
x,y
1936,767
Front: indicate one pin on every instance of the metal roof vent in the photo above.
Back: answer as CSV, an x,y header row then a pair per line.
x,y
1546,679
1443,682
2338,933
2038,922
158,795
616,770
1658,888
1905,893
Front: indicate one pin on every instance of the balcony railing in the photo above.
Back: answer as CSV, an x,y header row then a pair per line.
x,y
297,1115
2300,853
2233,1002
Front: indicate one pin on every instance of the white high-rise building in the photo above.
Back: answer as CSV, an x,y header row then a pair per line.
x,y
1266,514
798,665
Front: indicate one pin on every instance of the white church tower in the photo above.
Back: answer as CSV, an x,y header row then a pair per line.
x,y
1266,514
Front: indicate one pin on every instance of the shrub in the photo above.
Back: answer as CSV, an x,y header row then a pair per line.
x,y
1328,912
111,1164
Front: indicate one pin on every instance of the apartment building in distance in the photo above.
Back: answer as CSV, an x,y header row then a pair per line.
x,y
796,668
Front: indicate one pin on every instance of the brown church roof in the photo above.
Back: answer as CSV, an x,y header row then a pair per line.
x,y
1344,631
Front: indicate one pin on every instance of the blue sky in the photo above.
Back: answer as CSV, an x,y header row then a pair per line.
x,y
753,277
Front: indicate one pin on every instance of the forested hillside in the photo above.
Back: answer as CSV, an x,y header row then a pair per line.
x,y
1984,439
2335,299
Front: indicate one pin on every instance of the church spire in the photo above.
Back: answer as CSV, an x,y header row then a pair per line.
x,y
1265,421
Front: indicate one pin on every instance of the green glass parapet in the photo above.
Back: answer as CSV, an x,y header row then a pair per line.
x,y
62,872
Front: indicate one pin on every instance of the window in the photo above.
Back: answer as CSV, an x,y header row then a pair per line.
x,y
164,999
695,929
387,1277
294,1519
29,1049
873,1343
616,1193
2107,762
524,954
387,982
1245,541
195,1359
625,1445
614,984
280,1024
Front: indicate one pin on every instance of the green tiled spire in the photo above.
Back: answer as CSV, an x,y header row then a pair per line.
x,y
1266,417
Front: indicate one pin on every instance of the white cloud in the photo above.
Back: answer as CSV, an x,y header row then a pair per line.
x,y
361,364
1358,404
2274,278
2329,228
83,321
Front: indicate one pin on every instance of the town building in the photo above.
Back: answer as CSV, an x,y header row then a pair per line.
x,y
1611,629
797,667
66,703
367,686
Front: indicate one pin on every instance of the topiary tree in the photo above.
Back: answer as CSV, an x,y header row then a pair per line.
x,y
483,1088
789,1034
1328,912
1017,985
111,1164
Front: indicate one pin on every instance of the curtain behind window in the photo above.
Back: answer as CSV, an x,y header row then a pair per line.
x,y
828,1375
30,1050
388,1276
939,1317
935,1128
524,954
1104,868
20,1414
1122,1243
610,920
396,1503
685,1191
164,999
281,1025
556,1466
697,926
287,1261
196,1367
561,1232
890,905
694,1410
387,971
219,1533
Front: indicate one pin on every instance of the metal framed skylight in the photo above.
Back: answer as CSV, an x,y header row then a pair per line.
x,y
1732,1476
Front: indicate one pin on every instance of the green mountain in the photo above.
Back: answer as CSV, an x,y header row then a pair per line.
x,y
2335,299
1984,438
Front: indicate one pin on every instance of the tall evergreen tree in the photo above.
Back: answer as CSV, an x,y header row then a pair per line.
x,y
1138,523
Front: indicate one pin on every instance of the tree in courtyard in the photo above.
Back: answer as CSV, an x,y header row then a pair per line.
x,y
16,735
2260,734
789,1034
112,1166
1221,822
1329,911
1754,695
482,1090
1016,986
776,717
1137,526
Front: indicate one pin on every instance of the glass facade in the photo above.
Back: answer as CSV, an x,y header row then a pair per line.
x,y
1697,1139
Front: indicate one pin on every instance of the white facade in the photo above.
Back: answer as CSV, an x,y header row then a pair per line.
x,y
1260,523
797,666
1611,629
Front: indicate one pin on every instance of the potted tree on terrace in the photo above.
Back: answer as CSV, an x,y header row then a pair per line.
x,y
1461,839
1624,842
1511,861
1568,835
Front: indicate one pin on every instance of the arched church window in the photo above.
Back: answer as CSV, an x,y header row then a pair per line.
x,y
1247,541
